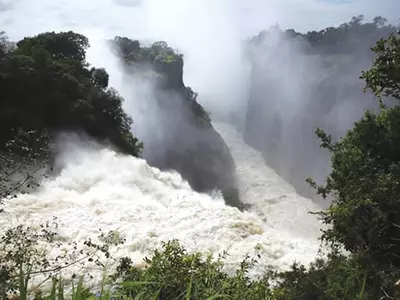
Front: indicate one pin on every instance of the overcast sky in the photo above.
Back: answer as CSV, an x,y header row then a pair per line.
x,y
21,17
310,14
209,33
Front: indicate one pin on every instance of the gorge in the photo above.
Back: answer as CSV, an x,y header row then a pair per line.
x,y
162,125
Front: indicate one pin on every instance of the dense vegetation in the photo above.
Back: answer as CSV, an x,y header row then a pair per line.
x,y
363,219
305,80
46,85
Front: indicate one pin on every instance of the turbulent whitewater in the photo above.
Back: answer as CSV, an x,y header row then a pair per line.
x,y
98,188
271,197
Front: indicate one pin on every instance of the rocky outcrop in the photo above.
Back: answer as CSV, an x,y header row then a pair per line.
x,y
181,137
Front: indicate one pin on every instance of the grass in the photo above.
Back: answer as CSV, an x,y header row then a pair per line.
x,y
172,273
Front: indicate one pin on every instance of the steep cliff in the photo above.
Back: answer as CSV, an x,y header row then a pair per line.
x,y
181,136
303,81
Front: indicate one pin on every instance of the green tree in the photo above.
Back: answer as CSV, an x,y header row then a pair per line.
x,y
100,77
365,177
380,21
63,45
21,160
46,84
384,76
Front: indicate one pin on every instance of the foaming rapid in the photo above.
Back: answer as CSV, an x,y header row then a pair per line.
x,y
270,197
102,189
98,188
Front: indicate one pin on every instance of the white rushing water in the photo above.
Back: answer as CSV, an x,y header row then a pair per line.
x,y
102,189
98,188
271,197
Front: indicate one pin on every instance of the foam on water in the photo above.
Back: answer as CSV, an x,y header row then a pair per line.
x,y
271,197
98,188
102,189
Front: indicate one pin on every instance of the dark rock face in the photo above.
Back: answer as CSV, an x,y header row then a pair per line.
x,y
172,69
190,145
298,85
181,136
193,147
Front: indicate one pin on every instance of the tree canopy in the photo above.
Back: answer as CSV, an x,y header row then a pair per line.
x,y
46,83
383,79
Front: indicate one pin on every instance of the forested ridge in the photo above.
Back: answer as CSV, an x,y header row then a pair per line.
x,y
363,218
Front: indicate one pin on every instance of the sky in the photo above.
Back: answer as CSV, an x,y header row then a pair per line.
x,y
306,15
21,17
209,33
